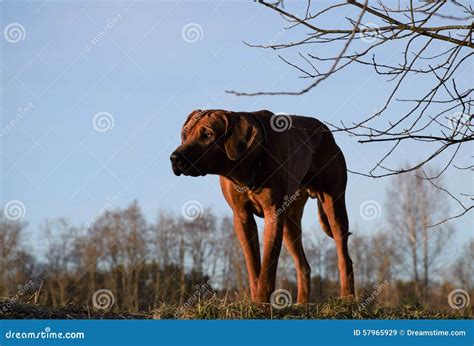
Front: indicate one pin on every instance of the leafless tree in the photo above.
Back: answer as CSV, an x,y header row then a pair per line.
x,y
463,268
11,252
434,41
59,236
412,205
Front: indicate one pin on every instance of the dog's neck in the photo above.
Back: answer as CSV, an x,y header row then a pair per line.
x,y
252,162
246,174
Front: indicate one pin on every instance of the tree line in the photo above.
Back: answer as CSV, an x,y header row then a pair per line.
x,y
402,259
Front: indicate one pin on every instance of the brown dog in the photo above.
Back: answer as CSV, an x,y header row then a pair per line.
x,y
269,165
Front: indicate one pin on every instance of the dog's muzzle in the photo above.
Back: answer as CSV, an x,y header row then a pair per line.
x,y
177,162
182,165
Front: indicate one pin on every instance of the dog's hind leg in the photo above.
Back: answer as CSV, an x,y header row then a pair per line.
x,y
335,210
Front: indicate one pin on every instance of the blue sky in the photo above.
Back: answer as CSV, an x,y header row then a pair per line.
x,y
143,73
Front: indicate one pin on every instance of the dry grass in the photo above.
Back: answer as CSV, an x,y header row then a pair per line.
x,y
215,308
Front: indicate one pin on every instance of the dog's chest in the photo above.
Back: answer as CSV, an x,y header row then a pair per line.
x,y
256,203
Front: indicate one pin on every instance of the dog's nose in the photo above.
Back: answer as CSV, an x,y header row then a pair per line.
x,y
176,157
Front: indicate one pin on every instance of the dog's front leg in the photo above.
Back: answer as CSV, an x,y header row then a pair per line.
x,y
247,233
272,240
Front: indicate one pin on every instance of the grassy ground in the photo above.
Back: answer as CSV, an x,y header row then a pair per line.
x,y
215,308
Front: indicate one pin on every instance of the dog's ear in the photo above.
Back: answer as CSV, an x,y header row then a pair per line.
x,y
243,133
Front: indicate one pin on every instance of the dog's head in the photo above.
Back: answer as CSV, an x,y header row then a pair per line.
x,y
211,140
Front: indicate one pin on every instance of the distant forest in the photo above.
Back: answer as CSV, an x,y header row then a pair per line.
x,y
176,260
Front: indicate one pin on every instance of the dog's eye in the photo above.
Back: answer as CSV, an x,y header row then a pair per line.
x,y
205,134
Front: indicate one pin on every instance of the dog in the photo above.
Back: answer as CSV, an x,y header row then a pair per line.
x,y
269,165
